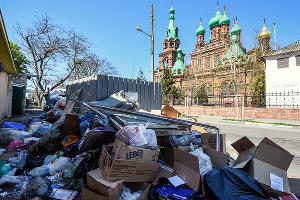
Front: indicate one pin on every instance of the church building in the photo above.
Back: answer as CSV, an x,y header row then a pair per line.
x,y
218,66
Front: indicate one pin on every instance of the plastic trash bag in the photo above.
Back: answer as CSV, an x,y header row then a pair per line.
x,y
127,195
10,179
34,127
239,185
34,160
185,140
85,121
50,159
42,129
4,168
8,135
19,161
133,135
151,138
14,125
36,187
30,140
40,171
58,165
204,161
15,144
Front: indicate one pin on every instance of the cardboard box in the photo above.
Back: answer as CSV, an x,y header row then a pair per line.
x,y
71,125
134,187
211,141
87,194
265,162
129,170
99,185
186,165
169,111
123,151
294,184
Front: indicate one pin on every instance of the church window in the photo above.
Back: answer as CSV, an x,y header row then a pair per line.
x,y
297,60
166,63
215,35
199,64
219,34
232,88
211,91
283,63
171,44
217,59
166,45
176,45
207,62
225,89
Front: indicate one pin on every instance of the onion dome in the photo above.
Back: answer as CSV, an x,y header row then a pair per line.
x,y
224,19
172,30
264,33
236,29
178,65
200,30
215,21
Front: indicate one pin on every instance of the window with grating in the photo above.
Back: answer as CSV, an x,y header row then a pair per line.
x,y
283,63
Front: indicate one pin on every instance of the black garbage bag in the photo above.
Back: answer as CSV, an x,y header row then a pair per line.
x,y
226,183
34,160
50,141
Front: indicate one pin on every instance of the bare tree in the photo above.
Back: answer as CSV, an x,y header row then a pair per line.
x,y
57,54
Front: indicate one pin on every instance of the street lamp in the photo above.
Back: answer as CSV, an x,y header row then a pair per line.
x,y
152,43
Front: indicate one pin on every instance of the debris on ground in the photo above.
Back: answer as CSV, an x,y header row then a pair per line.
x,y
108,150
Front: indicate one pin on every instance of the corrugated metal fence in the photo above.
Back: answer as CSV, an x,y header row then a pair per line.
x,y
100,87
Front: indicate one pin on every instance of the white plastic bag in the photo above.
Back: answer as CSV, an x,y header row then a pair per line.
x,y
151,138
40,171
58,165
205,164
126,194
133,135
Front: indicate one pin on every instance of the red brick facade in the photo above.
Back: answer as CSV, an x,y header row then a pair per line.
x,y
249,112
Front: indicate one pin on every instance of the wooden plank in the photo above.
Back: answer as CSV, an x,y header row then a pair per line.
x,y
159,96
142,99
110,85
104,87
134,84
99,87
138,89
170,132
147,97
116,84
130,85
152,96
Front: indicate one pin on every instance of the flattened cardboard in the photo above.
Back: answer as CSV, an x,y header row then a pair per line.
x,y
71,125
99,185
186,165
123,151
273,154
295,186
129,170
211,141
262,160
87,194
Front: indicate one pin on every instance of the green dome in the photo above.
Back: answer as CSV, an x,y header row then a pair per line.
x,y
215,21
236,29
224,20
200,30
178,65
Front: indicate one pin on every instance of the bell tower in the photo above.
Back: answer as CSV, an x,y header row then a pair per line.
x,y
171,43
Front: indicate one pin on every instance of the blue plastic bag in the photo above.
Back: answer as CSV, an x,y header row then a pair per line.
x,y
14,125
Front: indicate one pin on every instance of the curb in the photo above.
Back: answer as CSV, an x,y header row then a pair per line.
x,y
259,124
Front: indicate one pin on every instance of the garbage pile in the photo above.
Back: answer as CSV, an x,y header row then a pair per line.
x,y
100,152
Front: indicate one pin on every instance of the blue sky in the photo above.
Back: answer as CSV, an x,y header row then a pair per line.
x,y
110,25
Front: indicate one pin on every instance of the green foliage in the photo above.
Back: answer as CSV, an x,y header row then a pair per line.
x,y
19,58
259,90
167,81
201,96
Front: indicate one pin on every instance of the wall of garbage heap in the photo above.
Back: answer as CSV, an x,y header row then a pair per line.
x,y
249,112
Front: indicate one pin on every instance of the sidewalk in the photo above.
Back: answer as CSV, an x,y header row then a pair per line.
x,y
253,121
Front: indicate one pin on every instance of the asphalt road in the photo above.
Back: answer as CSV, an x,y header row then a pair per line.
x,y
288,138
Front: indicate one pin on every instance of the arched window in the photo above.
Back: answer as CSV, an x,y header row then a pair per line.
x,y
225,89
166,45
207,62
166,63
215,35
232,88
219,33
211,91
199,64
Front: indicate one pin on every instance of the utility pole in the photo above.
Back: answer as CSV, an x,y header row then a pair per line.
x,y
152,43
274,35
